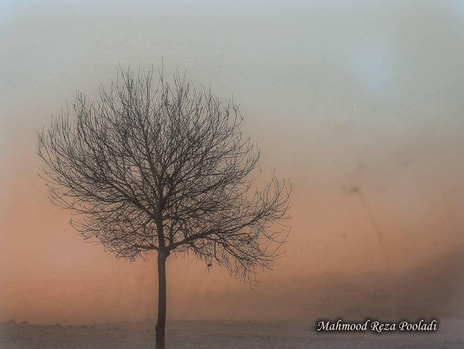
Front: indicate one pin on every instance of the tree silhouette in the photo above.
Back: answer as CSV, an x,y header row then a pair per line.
x,y
164,169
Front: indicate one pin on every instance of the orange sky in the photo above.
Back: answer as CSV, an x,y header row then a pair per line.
x,y
366,96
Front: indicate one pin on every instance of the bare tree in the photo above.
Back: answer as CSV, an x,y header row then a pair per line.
x,y
164,168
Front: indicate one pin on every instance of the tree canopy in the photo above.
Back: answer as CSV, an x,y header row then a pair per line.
x,y
164,168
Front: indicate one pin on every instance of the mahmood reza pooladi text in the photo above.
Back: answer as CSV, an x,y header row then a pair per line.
x,y
376,326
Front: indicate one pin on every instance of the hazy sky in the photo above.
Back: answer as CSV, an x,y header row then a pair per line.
x,y
338,94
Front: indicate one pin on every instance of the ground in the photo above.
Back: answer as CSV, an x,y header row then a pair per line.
x,y
219,335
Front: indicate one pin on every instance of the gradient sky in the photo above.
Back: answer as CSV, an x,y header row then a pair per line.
x,y
337,94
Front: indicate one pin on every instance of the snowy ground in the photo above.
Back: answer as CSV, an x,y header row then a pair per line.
x,y
220,335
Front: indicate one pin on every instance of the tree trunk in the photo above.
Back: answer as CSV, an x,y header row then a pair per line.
x,y
161,324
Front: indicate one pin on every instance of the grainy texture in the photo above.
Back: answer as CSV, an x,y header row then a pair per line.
x,y
219,335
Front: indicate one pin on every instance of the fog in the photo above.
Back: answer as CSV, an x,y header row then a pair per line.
x,y
358,103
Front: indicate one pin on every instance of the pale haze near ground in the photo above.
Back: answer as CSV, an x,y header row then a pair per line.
x,y
219,335
336,95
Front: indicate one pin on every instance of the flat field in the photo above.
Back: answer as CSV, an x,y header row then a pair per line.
x,y
219,335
